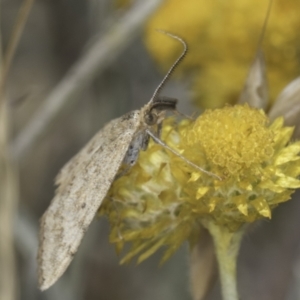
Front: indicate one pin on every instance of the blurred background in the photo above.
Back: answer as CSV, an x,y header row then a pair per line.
x,y
80,63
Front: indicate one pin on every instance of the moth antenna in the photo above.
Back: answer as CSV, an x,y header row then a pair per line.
x,y
264,28
173,67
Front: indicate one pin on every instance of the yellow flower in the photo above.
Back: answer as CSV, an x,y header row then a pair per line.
x,y
222,38
163,201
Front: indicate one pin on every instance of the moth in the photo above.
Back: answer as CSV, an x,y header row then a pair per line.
x,y
85,180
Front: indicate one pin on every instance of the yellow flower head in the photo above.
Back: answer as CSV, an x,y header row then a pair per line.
x,y
222,37
162,200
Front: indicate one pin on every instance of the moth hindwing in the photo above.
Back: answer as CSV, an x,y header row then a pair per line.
x,y
85,180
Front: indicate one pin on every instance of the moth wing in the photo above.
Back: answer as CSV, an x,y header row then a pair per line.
x,y
83,183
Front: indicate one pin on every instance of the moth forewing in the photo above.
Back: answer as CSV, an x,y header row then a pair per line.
x,y
85,180
83,183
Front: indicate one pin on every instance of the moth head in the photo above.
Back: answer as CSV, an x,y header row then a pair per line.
x,y
151,117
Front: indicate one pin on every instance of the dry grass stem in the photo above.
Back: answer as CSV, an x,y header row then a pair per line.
x,y
8,177
13,42
8,201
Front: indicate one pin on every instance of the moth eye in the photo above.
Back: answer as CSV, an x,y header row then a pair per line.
x,y
150,118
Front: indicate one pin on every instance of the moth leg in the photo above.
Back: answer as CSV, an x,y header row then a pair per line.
x,y
145,141
160,142
163,103
159,129
184,115
168,103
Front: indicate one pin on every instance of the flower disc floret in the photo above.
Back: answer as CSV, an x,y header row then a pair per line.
x,y
234,138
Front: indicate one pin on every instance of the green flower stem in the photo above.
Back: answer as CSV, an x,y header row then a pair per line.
x,y
227,245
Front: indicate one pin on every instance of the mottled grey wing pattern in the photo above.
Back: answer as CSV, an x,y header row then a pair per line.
x,y
83,183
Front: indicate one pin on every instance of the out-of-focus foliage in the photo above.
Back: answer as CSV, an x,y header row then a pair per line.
x,y
222,37
122,3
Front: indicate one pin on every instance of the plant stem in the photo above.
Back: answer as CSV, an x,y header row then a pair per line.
x,y
227,245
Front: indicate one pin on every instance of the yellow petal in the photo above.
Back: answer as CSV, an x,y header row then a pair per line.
x,y
241,204
150,251
288,154
288,182
195,176
268,184
201,192
262,207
